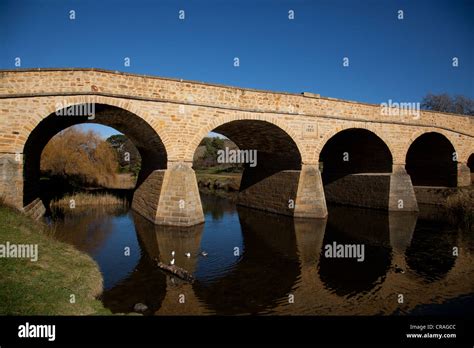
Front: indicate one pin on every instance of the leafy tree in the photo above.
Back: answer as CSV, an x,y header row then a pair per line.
x,y
206,154
127,154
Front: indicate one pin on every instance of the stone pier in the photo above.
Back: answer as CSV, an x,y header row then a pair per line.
x,y
170,196
402,196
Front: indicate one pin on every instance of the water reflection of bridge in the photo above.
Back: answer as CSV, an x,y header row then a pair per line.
x,y
284,256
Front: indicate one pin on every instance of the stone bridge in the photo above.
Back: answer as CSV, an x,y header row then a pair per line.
x,y
310,148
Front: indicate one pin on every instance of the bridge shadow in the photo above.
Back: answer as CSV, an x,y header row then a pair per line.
x,y
427,167
356,167
278,164
370,228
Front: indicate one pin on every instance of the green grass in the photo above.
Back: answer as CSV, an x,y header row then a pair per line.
x,y
44,287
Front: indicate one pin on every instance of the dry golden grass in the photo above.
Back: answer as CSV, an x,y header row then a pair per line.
x,y
124,181
88,199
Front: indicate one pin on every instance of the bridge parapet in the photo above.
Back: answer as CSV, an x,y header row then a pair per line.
x,y
37,82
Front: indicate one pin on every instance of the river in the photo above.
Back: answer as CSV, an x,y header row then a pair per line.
x,y
262,263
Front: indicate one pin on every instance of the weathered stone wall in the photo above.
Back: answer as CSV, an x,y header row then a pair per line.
x,y
35,209
170,197
272,193
360,190
147,196
402,197
179,203
463,175
310,198
391,191
11,178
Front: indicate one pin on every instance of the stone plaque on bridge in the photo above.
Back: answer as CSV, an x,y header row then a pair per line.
x,y
310,130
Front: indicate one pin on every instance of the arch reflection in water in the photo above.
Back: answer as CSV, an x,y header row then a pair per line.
x,y
279,256
370,228
266,272
258,280
147,284
430,254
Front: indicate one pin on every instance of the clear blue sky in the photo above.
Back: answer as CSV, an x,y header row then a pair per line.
x,y
389,58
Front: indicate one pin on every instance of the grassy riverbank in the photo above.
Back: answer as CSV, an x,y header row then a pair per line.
x,y
45,287
225,185
213,179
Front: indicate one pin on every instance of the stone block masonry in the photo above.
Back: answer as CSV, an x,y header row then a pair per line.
x,y
170,197
360,190
167,119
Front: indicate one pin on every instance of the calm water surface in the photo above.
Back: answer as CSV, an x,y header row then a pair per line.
x,y
262,263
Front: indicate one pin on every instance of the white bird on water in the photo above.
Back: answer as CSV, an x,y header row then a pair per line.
x,y
172,262
188,254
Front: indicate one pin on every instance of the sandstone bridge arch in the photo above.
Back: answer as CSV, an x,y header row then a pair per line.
x,y
431,161
278,180
167,118
356,167
144,137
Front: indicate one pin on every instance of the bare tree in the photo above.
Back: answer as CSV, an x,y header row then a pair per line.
x,y
463,105
445,103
